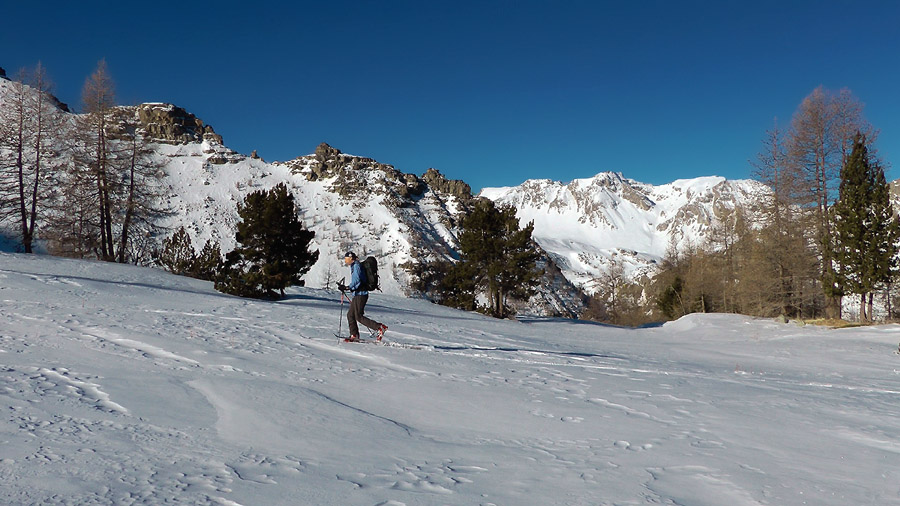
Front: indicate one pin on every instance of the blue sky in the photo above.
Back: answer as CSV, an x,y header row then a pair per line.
x,y
491,92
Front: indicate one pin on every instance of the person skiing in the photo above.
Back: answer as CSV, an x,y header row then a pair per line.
x,y
357,287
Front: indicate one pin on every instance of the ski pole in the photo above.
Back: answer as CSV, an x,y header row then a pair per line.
x,y
342,313
340,284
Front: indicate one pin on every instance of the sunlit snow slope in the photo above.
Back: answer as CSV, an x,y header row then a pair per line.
x,y
127,385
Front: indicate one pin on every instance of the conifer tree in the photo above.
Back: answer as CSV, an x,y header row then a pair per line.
x,y
496,255
866,228
818,145
137,189
787,261
272,252
177,255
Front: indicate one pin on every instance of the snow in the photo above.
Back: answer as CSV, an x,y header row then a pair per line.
x,y
127,385
587,225
205,197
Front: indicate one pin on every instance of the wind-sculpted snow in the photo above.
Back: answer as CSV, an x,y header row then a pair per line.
x,y
126,385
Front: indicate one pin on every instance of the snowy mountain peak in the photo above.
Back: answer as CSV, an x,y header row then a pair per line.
x,y
358,203
587,225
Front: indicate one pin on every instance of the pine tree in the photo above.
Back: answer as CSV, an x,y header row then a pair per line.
x,y
496,256
208,262
866,229
272,252
178,256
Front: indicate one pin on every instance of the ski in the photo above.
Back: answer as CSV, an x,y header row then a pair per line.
x,y
383,342
346,339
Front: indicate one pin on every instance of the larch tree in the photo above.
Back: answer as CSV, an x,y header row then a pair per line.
x,y
136,189
818,144
30,129
785,255
98,99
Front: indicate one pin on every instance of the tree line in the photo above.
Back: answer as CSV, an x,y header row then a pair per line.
x,y
90,186
95,189
827,230
89,182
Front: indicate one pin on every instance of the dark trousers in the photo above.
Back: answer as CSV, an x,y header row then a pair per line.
x,y
356,313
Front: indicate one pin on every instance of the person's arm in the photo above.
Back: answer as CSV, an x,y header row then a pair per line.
x,y
354,276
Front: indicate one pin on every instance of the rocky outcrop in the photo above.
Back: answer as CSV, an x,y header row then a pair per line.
x,y
589,225
455,187
354,174
3,73
170,124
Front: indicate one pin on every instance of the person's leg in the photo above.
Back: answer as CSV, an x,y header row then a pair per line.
x,y
352,314
361,315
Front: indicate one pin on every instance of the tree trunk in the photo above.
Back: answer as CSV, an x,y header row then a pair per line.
x,y
863,318
887,296
833,307
871,315
20,167
129,209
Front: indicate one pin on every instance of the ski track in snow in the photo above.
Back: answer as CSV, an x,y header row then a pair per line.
x,y
128,386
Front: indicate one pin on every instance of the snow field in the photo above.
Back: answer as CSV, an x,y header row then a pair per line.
x,y
126,385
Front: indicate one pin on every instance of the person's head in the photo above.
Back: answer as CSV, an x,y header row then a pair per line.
x,y
349,258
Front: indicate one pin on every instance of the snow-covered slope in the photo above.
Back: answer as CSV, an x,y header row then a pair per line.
x,y
127,385
355,206
351,202
588,224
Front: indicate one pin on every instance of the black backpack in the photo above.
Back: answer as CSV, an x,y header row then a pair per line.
x,y
370,267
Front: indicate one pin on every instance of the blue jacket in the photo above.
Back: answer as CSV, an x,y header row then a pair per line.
x,y
357,279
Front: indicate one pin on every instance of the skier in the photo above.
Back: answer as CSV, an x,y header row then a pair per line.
x,y
358,303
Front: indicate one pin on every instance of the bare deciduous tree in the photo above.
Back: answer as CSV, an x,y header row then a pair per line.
x,y
30,126
818,144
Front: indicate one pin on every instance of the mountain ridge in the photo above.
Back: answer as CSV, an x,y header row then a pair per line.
x,y
586,226
351,202
589,224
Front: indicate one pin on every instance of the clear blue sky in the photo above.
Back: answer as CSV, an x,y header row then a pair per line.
x,y
492,92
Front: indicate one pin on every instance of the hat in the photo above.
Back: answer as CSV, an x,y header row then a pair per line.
x,y
350,254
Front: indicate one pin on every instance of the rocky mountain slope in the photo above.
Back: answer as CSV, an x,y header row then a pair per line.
x,y
586,226
360,204
589,225
351,202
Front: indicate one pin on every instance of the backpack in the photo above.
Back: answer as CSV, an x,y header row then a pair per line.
x,y
370,267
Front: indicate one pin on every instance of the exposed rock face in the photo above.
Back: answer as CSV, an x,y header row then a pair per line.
x,y
173,125
2,73
356,176
454,187
589,225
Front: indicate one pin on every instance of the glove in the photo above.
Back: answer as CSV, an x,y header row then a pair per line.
x,y
342,287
